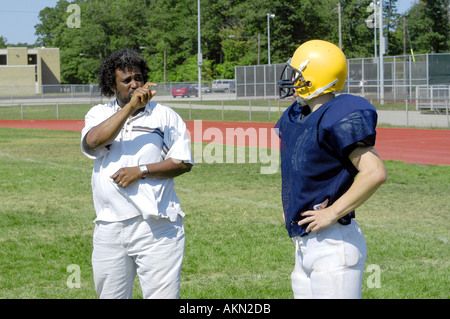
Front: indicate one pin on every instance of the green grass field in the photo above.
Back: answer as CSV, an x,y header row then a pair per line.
x,y
236,244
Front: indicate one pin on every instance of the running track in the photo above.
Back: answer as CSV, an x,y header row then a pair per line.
x,y
421,146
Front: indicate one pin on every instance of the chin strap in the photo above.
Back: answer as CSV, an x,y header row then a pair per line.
x,y
301,101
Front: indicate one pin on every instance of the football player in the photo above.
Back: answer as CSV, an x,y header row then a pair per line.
x,y
329,167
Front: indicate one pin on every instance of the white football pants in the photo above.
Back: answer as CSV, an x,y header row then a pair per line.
x,y
330,264
152,248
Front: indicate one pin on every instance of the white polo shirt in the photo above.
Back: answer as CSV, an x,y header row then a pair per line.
x,y
152,136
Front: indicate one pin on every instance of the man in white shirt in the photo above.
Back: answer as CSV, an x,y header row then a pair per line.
x,y
139,147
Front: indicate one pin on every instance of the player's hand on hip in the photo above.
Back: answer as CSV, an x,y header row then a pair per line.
x,y
319,218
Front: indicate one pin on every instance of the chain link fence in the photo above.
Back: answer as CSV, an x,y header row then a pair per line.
x,y
82,93
420,83
402,75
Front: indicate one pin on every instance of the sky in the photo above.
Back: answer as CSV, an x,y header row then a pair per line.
x,y
18,18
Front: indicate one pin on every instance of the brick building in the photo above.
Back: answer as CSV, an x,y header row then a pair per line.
x,y
29,68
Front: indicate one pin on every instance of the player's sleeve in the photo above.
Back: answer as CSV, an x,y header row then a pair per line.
x,y
176,138
353,130
94,117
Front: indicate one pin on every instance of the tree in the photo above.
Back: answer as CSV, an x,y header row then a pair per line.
x,y
51,24
428,26
3,42
232,32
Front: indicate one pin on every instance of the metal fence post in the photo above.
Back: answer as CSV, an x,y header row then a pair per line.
x,y
446,112
190,110
407,119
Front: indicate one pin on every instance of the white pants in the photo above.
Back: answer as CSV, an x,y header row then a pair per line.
x,y
330,264
152,248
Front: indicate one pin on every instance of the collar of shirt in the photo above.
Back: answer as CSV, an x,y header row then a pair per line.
x,y
147,110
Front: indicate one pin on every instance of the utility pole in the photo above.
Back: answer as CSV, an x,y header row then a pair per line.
x,y
404,35
340,24
199,54
259,47
382,49
269,15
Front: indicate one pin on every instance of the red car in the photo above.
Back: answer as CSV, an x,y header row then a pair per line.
x,y
184,90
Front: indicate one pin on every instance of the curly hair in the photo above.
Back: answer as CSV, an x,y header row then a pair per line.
x,y
121,59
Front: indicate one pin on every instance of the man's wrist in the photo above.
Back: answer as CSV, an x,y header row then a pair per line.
x,y
144,171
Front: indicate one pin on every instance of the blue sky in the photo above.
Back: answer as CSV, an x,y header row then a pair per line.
x,y
18,17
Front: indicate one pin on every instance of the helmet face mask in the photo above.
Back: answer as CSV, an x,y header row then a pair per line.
x,y
289,83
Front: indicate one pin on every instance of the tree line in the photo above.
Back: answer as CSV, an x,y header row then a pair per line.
x,y
233,32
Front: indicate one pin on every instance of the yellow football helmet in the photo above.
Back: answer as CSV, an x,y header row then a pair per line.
x,y
317,67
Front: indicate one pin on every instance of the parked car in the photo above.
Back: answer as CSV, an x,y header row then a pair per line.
x,y
184,90
223,85
205,89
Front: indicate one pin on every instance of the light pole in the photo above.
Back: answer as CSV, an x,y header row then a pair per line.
x,y
338,10
382,49
374,23
269,15
199,53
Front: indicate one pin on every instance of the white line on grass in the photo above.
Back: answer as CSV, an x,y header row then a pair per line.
x,y
405,231
234,199
182,189
32,160
231,198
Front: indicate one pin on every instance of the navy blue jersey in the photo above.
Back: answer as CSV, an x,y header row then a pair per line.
x,y
314,150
